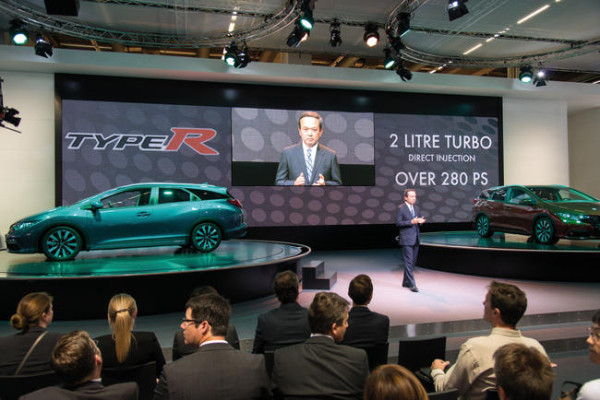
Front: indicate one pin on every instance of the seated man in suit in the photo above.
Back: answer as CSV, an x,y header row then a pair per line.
x,y
78,362
308,163
473,372
216,371
365,327
285,325
181,349
319,367
522,373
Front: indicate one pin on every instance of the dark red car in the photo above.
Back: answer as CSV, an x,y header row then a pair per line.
x,y
547,213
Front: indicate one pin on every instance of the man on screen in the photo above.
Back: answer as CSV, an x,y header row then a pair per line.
x,y
308,163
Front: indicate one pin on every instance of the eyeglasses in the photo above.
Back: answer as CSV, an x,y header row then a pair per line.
x,y
188,321
594,332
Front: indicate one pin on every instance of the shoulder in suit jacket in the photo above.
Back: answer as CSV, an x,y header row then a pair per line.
x,y
144,348
216,371
366,328
88,391
320,367
13,349
281,327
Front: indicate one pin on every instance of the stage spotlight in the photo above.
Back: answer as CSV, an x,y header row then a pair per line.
x,y
404,73
403,23
9,115
231,54
396,44
18,33
371,36
297,36
540,78
306,14
526,74
336,36
389,61
43,48
456,9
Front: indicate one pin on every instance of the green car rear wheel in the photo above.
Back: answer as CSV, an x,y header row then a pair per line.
x,y
206,237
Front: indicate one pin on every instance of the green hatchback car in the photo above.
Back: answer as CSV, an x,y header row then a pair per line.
x,y
137,215
547,213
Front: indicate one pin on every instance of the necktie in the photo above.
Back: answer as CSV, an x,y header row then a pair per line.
x,y
412,211
309,164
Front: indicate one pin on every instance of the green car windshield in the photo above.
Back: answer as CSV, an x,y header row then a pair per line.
x,y
560,194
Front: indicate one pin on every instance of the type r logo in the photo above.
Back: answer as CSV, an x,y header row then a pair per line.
x,y
193,137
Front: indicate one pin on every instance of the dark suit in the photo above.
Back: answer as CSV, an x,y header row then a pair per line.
x,y
144,348
320,367
281,327
292,164
181,349
13,349
408,238
215,372
366,328
89,390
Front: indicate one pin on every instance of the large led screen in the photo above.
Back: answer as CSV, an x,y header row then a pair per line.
x,y
446,147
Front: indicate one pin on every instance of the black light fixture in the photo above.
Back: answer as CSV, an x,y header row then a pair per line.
x,y
456,9
336,35
297,36
526,74
404,73
539,79
403,23
236,58
371,36
18,32
8,114
306,14
42,47
389,61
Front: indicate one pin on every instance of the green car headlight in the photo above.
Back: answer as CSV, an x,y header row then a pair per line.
x,y
19,226
570,218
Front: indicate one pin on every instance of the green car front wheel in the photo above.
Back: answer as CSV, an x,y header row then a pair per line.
x,y
61,243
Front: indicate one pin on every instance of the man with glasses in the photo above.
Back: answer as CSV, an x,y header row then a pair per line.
x,y
216,370
591,390
78,362
308,163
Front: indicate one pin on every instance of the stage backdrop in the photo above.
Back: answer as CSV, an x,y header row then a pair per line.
x,y
115,131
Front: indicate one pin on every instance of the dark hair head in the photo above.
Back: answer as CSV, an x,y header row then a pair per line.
x,y
311,114
212,308
326,309
73,357
407,190
361,289
510,300
393,382
596,317
30,310
285,286
204,289
523,372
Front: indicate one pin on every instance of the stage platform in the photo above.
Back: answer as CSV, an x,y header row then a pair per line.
x,y
160,279
510,256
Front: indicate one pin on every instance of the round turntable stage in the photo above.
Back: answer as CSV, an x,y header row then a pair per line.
x,y
510,256
160,279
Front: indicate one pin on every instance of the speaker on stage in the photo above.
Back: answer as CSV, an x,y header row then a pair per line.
x,y
62,7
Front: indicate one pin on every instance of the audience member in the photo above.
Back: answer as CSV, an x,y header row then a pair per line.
x,y
285,325
591,389
216,370
473,372
365,327
393,382
320,367
78,362
29,350
522,373
126,347
181,349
